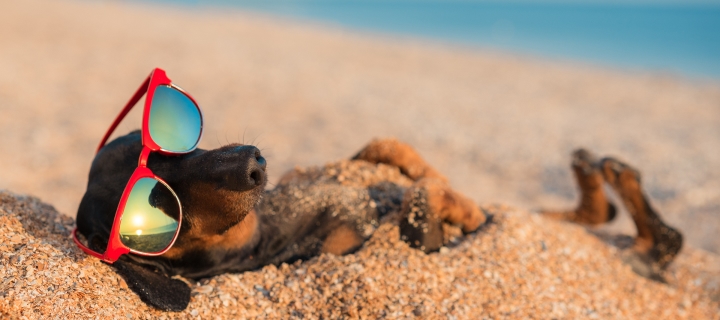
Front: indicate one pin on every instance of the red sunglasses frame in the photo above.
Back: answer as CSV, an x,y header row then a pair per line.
x,y
115,247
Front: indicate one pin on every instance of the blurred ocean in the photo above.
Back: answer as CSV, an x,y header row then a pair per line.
x,y
676,37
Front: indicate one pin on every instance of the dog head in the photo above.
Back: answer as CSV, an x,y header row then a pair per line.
x,y
218,190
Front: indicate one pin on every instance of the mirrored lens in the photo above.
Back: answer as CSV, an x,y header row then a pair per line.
x,y
175,121
150,217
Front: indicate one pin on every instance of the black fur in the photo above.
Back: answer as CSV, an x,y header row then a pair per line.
x,y
153,288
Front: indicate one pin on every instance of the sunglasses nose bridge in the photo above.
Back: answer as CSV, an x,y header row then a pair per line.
x,y
144,155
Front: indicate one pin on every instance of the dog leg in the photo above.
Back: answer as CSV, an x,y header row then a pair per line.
x,y
656,243
593,209
428,203
393,152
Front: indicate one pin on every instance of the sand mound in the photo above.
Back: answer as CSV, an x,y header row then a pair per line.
x,y
519,266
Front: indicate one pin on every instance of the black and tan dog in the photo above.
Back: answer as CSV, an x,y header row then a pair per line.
x,y
231,224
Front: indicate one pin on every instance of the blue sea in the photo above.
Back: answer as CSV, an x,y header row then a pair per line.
x,y
675,37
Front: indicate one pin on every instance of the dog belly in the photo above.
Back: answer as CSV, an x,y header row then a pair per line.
x,y
340,202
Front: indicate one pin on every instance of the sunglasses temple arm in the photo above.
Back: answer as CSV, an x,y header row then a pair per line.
x,y
133,101
83,247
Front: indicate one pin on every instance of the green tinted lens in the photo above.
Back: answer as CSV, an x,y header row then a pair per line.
x,y
175,121
150,218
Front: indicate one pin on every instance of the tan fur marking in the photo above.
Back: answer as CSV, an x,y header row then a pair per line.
x,y
452,206
341,240
628,187
635,204
236,237
395,153
593,207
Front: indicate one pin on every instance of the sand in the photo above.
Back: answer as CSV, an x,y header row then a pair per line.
x,y
500,126
519,266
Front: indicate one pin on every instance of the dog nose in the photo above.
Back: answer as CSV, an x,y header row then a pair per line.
x,y
237,167
256,168
252,164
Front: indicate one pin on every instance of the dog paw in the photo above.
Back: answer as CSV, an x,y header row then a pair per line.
x,y
429,203
643,265
655,239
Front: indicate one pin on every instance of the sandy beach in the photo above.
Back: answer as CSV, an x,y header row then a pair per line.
x,y
500,126
520,267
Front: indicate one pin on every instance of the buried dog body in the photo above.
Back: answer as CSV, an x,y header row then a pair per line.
x,y
231,224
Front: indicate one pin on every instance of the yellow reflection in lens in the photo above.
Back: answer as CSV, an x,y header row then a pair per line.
x,y
138,220
148,221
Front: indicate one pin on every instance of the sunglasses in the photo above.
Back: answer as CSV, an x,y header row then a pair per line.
x,y
148,217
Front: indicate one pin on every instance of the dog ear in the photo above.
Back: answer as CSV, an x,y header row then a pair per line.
x,y
154,288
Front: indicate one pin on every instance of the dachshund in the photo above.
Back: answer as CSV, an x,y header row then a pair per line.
x,y
231,223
